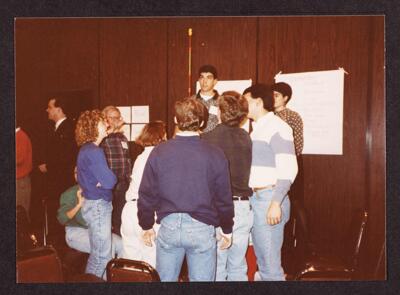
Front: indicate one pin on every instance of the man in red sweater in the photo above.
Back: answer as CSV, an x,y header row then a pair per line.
x,y
23,154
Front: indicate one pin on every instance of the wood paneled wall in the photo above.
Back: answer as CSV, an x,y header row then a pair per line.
x,y
144,61
227,43
312,44
133,64
52,55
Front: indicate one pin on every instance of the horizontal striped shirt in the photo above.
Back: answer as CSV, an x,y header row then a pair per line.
x,y
273,155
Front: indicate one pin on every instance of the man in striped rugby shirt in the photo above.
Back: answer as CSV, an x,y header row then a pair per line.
x,y
273,170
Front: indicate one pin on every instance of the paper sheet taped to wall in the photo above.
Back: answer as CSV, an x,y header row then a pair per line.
x,y
318,98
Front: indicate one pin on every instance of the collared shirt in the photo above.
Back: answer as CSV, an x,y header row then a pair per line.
x,y
58,123
115,147
296,123
273,155
187,133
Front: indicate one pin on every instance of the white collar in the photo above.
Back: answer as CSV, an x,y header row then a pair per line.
x,y
58,123
187,133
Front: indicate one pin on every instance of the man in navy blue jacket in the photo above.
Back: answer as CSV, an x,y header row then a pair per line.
x,y
186,182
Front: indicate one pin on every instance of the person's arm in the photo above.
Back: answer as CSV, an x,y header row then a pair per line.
x,y
136,177
148,196
298,133
106,146
71,213
98,165
223,195
68,202
286,166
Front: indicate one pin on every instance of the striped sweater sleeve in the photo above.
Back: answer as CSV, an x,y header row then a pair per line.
x,y
285,160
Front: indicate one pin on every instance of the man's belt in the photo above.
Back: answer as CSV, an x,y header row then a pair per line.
x,y
238,198
256,189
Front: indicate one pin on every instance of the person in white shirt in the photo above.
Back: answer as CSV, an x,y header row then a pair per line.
x,y
273,170
133,247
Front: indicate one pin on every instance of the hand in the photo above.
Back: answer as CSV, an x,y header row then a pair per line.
x,y
274,213
43,168
148,236
79,197
225,240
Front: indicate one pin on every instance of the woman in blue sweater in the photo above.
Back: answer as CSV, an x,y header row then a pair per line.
x,y
96,181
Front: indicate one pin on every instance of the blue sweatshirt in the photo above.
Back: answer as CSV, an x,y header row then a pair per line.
x,y
94,176
186,175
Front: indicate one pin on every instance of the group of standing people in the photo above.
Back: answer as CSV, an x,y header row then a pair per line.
x,y
200,194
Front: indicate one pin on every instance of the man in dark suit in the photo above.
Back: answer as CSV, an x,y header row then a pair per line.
x,y
60,157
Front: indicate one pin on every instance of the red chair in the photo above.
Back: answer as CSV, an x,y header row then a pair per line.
x,y
39,265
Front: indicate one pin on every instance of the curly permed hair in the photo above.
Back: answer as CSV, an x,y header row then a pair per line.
x,y
86,127
190,114
233,107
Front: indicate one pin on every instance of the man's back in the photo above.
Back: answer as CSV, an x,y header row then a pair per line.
x,y
236,145
188,175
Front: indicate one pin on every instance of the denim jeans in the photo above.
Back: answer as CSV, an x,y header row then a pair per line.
x,y
78,238
267,239
97,214
131,232
180,234
231,262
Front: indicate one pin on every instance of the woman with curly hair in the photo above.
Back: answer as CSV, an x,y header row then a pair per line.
x,y
96,181
133,247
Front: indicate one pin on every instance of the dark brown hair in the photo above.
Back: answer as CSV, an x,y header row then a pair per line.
x,y
233,107
152,134
190,114
86,127
264,92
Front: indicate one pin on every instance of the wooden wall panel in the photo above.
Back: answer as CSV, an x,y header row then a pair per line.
x,y
133,64
376,147
228,43
333,185
52,55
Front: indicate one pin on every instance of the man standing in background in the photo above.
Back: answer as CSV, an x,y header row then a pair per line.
x,y
208,78
282,95
60,157
115,147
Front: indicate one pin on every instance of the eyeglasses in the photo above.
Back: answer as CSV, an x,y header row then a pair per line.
x,y
114,118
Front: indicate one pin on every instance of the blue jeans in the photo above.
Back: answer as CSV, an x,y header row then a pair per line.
x,y
180,234
97,214
231,262
267,239
78,238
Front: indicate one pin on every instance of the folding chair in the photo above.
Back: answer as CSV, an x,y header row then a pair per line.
x,y
125,270
333,268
